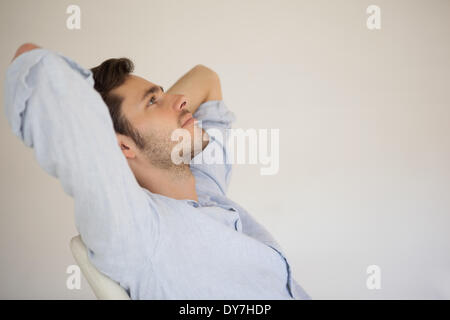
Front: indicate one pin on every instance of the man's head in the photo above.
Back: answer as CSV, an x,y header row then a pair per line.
x,y
143,115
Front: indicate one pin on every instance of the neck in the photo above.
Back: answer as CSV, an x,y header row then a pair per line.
x,y
176,183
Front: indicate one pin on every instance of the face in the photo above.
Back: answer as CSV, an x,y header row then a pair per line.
x,y
155,115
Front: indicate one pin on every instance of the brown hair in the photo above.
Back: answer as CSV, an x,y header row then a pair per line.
x,y
109,75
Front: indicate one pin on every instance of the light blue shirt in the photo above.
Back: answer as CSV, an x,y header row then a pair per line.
x,y
154,246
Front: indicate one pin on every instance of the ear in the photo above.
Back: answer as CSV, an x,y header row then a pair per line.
x,y
127,146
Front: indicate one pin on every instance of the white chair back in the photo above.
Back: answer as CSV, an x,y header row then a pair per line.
x,y
104,288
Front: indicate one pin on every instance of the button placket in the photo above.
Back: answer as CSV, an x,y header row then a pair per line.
x,y
193,203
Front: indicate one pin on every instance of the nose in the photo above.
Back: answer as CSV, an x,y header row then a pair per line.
x,y
180,103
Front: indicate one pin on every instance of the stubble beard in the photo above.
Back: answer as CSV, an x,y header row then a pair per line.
x,y
158,148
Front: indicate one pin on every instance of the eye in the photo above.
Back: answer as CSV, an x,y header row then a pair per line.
x,y
151,101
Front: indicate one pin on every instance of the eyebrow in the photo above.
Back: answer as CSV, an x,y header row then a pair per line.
x,y
151,90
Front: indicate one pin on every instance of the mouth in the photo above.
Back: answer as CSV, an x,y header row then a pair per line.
x,y
188,121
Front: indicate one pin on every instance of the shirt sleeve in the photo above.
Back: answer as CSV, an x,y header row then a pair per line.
x,y
51,105
299,293
212,167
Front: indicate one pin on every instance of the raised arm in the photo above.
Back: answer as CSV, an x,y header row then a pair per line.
x,y
51,105
200,84
24,48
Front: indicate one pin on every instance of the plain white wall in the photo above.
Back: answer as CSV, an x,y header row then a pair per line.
x,y
364,132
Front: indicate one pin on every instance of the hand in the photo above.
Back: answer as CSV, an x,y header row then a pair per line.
x,y
24,48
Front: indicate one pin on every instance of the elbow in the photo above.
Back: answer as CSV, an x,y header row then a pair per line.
x,y
212,82
204,68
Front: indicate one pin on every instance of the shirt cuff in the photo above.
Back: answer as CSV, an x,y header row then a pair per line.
x,y
214,112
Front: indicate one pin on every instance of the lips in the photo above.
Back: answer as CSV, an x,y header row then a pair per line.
x,y
187,120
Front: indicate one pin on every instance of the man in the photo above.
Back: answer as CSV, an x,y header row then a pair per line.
x,y
160,230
